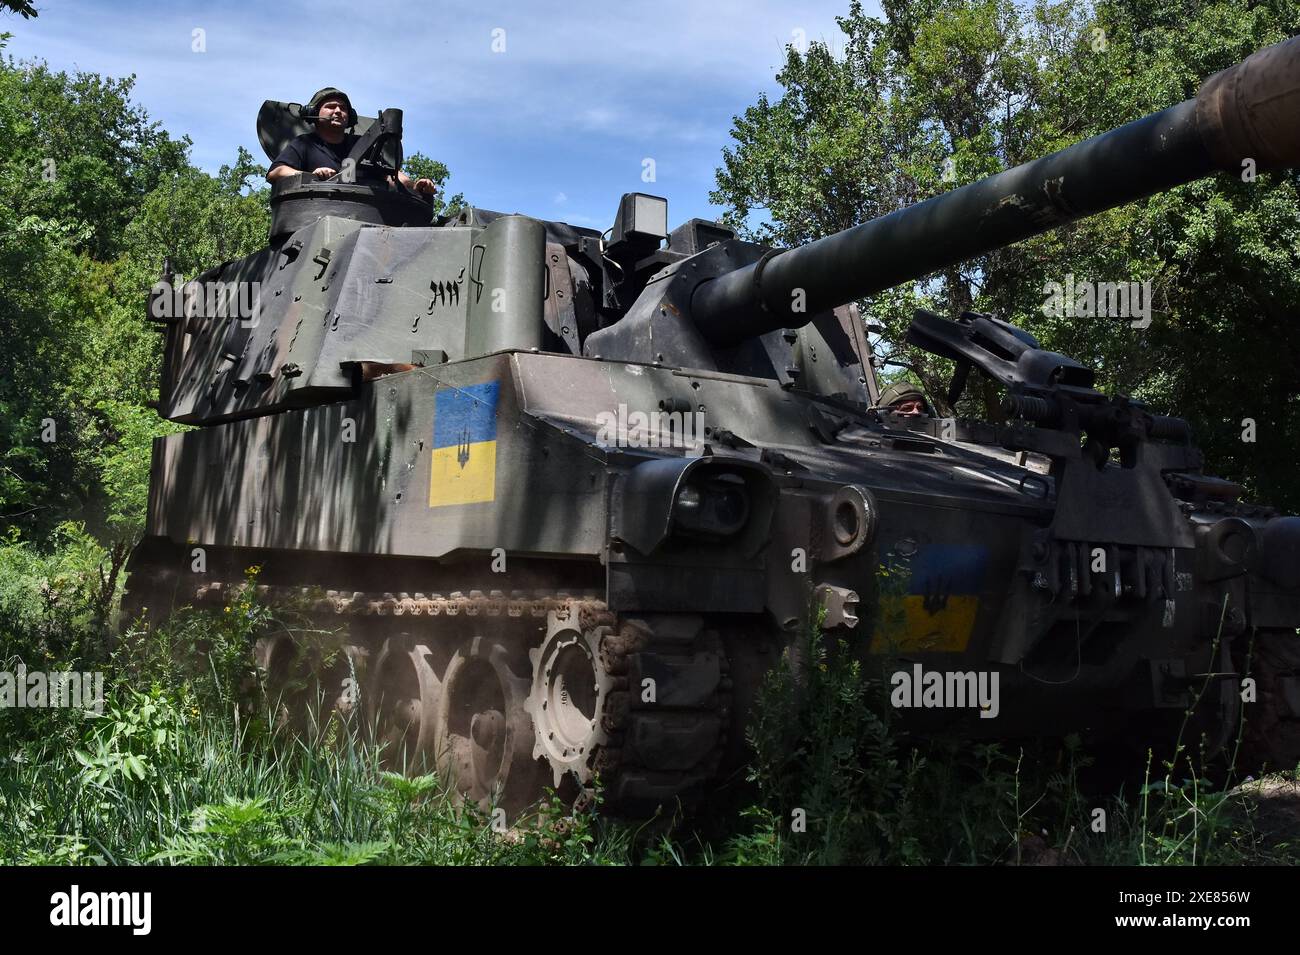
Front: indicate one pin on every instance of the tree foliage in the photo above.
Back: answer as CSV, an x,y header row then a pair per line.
x,y
23,7
940,93
420,166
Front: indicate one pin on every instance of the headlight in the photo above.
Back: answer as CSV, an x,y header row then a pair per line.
x,y
712,506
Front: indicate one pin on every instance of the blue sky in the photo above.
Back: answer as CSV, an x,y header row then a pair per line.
x,y
556,126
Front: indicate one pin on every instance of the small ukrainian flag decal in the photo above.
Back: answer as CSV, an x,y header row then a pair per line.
x,y
464,469
937,613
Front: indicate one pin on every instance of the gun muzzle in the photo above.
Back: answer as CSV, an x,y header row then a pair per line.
x,y
1251,111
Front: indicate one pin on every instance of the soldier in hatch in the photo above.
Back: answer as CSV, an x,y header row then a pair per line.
x,y
904,398
322,151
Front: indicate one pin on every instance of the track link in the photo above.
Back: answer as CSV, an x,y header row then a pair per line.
x,y
658,721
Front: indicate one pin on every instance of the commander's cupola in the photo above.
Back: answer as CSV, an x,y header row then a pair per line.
x,y
361,190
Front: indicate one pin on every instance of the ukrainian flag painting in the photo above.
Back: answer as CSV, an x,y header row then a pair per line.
x,y
464,469
937,612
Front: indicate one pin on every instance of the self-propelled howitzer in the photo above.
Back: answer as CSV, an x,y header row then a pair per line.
x,y
559,502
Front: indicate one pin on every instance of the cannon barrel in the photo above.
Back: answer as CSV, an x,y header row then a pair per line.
x,y
1246,112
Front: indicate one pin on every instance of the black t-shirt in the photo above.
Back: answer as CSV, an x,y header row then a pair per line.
x,y
309,151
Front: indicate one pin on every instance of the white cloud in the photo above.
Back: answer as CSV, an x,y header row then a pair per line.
x,y
578,87
613,68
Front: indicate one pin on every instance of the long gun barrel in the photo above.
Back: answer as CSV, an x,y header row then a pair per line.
x,y
1250,111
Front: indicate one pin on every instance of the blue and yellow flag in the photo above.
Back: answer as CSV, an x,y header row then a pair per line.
x,y
937,612
464,467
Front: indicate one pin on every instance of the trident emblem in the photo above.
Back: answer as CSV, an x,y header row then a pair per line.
x,y
462,448
936,595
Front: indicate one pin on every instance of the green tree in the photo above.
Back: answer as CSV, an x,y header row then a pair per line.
x,y
420,166
92,196
939,93
19,6
79,153
198,221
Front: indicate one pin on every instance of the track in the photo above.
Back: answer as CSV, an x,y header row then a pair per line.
x,y
506,695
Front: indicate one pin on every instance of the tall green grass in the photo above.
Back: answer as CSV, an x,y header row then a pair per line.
x,y
186,766
837,781
156,781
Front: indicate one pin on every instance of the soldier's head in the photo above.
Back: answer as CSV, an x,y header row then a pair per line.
x,y
905,399
332,112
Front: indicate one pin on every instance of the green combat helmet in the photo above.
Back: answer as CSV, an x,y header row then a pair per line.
x,y
900,390
313,106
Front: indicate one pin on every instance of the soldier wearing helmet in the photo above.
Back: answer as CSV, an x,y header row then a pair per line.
x,y
322,151
903,398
